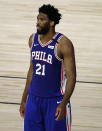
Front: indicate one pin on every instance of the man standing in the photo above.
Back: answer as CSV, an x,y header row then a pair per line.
x,y
45,104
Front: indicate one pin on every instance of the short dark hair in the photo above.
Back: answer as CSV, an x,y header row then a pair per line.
x,y
52,13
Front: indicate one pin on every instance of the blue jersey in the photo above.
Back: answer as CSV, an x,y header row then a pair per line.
x,y
48,79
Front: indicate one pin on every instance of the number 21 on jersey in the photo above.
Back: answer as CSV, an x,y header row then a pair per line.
x,y
40,69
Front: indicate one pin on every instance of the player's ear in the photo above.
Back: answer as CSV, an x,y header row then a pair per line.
x,y
52,23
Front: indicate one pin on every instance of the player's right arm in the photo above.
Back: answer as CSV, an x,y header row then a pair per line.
x,y
28,81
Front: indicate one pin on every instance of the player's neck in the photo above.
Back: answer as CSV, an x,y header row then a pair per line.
x,y
46,37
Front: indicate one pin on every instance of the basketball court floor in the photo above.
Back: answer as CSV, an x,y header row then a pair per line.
x,y
82,23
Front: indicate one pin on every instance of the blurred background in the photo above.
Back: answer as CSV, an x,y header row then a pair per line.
x,y
82,23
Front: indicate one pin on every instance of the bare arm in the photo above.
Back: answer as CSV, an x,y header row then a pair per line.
x,y
66,50
28,81
70,68
29,76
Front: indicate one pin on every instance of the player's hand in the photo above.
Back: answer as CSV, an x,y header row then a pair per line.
x,y
60,112
22,109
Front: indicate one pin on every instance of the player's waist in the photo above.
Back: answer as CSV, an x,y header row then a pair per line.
x,y
43,91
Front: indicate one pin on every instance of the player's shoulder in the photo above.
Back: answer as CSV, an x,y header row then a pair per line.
x,y
65,42
31,39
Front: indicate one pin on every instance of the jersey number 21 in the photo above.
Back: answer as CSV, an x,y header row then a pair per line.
x,y
40,69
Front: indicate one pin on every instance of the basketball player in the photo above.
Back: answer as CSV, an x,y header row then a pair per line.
x,y
45,104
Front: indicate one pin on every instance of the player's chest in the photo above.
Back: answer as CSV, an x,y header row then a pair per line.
x,y
44,54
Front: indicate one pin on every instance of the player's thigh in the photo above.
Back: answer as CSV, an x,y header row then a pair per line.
x,y
33,120
51,123
65,123
32,110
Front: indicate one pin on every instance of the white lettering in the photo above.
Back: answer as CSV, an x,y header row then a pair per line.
x,y
49,59
44,56
33,54
37,55
40,55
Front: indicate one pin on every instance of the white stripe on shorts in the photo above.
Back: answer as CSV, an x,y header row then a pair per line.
x,y
68,116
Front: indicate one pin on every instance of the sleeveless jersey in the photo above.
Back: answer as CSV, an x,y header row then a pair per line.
x,y
48,79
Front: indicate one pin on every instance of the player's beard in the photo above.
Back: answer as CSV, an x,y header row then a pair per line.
x,y
44,30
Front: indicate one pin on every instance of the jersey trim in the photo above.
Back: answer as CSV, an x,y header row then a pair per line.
x,y
56,48
60,38
62,80
43,45
55,52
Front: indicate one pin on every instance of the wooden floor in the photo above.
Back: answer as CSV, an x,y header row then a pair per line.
x,y
82,23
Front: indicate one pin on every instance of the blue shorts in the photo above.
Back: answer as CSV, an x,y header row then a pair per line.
x,y
40,115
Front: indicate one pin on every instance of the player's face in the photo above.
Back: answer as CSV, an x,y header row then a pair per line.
x,y
43,23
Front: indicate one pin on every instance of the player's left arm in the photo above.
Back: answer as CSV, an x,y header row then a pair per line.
x,y
66,50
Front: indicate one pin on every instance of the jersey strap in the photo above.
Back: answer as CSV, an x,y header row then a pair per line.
x,y
55,39
58,37
35,38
